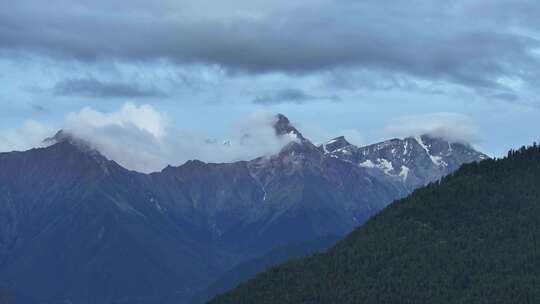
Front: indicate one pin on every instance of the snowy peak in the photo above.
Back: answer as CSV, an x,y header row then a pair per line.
x,y
334,145
435,149
443,153
412,161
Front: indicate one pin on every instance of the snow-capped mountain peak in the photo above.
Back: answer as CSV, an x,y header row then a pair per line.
x,y
334,144
413,161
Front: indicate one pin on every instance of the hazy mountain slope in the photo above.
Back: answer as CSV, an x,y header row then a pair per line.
x,y
246,270
473,238
76,226
294,196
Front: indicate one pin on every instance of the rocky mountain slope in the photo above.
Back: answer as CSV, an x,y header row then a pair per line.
x,y
77,227
472,238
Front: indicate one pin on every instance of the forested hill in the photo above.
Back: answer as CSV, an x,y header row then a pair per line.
x,y
472,238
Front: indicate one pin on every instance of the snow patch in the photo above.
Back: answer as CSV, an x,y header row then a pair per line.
x,y
344,151
421,143
437,160
404,173
367,164
406,148
385,165
381,164
324,149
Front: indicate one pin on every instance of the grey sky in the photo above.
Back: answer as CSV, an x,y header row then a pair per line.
x,y
333,66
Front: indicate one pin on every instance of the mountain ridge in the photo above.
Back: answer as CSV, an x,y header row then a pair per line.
x,y
417,160
470,238
203,218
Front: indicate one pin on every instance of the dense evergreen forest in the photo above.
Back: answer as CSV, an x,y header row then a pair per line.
x,y
473,237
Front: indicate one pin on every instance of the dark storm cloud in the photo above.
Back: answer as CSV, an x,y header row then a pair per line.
x,y
90,87
296,96
471,43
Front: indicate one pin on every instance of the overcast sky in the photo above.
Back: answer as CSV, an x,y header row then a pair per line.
x,y
209,69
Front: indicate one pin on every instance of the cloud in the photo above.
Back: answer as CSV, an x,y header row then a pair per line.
x,y
143,118
30,135
90,87
142,139
290,95
472,44
354,137
453,127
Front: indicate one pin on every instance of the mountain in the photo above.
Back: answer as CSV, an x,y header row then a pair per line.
x,y
76,227
3,299
472,238
412,162
247,270
283,126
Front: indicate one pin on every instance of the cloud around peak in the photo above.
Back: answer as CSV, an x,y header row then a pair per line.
x,y
453,127
143,139
30,135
